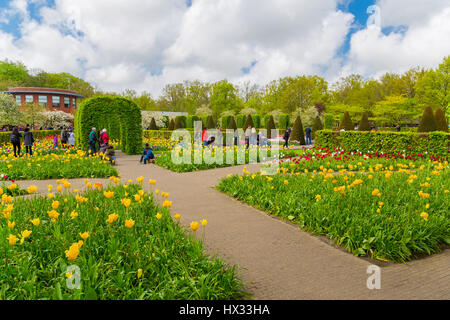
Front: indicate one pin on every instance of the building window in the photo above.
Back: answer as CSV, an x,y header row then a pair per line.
x,y
43,100
67,102
29,99
74,103
19,100
56,102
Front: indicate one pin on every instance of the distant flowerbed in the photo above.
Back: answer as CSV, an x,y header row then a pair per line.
x,y
110,243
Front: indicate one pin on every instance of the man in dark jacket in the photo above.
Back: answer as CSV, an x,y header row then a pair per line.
x,y
15,140
28,141
286,136
308,135
92,142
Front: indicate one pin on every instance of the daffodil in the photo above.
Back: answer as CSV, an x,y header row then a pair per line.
x,y
35,221
195,226
12,239
158,216
112,218
84,235
129,223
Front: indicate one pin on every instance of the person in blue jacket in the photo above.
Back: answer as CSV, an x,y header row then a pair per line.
x,y
148,154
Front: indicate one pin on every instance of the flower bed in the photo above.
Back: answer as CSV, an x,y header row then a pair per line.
x,y
116,241
386,215
53,166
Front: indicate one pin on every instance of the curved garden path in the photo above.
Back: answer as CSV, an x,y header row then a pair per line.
x,y
276,260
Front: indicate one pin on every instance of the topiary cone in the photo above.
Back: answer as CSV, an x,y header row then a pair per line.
x,y
298,134
364,124
440,120
232,124
171,125
347,123
270,126
248,121
427,123
210,124
178,123
153,125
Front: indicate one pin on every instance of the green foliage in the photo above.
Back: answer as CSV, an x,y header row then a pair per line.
x,y
225,120
347,123
9,110
121,117
171,126
283,121
232,124
240,121
329,121
266,118
317,125
441,121
248,122
211,124
364,124
427,123
270,124
153,125
224,97
14,71
256,118
180,122
190,121
434,143
298,134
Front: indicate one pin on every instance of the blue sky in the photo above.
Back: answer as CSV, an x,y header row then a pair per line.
x,y
144,45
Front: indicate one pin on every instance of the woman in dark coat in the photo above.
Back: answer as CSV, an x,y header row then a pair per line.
x,y
15,140
28,140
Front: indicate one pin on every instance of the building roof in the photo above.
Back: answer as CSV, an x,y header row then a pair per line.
x,y
43,91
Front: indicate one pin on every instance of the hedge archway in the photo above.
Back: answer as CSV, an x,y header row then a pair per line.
x,y
121,118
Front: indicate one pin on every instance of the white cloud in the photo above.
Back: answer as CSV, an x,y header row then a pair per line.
x,y
146,44
373,53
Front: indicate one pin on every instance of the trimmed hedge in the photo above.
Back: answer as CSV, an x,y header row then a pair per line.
x,y
225,121
5,136
190,120
433,143
240,120
329,121
180,122
256,120
121,117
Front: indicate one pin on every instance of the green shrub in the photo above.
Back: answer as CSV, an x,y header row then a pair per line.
x,y
283,121
269,126
171,125
211,124
364,124
121,117
441,121
240,121
329,122
317,125
298,134
256,120
347,123
248,122
153,125
180,122
427,123
225,120
232,124
408,143
266,120
190,121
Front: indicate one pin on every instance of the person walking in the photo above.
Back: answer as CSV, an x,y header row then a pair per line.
x,y
64,136
103,141
71,140
92,142
398,127
15,140
308,135
28,140
286,136
248,133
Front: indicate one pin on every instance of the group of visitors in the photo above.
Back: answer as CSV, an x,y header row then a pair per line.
x,y
105,149
16,143
287,136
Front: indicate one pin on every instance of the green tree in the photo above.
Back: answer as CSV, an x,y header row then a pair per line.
x,y
395,109
211,124
232,124
302,92
427,123
364,124
153,125
248,122
441,121
270,125
9,111
14,71
433,89
298,134
224,98
347,123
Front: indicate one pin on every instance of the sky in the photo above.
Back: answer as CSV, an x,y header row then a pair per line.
x,y
146,44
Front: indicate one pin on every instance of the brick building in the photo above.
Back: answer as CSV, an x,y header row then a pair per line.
x,y
53,99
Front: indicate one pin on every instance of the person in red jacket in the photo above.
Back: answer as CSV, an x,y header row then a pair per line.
x,y
205,137
103,141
